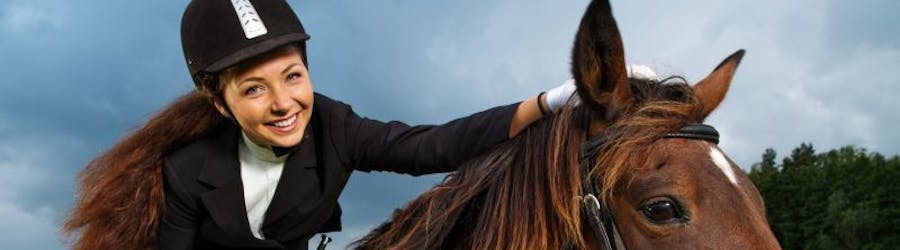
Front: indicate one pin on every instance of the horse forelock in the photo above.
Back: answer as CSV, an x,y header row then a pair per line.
x,y
660,107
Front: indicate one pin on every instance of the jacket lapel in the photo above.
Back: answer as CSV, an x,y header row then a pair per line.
x,y
299,187
225,201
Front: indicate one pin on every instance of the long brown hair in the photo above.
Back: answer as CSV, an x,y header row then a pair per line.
x,y
120,194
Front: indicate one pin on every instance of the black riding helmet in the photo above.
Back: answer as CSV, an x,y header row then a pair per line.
x,y
216,34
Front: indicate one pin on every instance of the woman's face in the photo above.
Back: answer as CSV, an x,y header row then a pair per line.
x,y
272,100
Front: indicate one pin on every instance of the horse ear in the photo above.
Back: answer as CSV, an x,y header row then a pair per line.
x,y
598,61
711,90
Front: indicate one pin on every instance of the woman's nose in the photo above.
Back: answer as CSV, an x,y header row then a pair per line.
x,y
281,101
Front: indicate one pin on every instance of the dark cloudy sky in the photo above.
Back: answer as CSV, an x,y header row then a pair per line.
x,y
77,75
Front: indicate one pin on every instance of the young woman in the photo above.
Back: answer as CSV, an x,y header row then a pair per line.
x,y
254,158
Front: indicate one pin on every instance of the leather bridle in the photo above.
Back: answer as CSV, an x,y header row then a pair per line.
x,y
595,211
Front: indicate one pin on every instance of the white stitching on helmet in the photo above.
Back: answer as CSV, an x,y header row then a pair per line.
x,y
250,21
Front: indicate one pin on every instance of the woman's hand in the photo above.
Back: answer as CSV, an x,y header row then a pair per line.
x,y
557,97
551,101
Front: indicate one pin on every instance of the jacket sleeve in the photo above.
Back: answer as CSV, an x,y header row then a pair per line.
x,y
417,150
177,227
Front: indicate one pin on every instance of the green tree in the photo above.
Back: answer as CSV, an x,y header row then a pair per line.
x,y
845,198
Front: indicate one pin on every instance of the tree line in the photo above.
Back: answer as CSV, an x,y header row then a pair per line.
x,y
846,198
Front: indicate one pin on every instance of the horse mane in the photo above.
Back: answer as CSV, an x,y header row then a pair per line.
x,y
522,195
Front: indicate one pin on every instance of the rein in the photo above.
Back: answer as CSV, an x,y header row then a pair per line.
x,y
597,213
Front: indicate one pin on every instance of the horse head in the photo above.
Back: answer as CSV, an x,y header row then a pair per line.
x,y
664,179
664,192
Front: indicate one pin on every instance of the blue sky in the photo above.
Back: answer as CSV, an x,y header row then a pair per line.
x,y
78,75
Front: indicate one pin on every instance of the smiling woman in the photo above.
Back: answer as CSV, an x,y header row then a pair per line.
x,y
272,101
254,158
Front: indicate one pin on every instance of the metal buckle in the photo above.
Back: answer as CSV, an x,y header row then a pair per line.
x,y
323,242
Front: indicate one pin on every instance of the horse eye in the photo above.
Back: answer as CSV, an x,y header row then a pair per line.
x,y
662,211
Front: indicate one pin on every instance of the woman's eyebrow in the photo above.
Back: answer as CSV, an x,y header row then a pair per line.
x,y
289,67
260,79
251,79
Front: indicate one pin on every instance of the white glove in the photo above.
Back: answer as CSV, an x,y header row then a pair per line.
x,y
564,93
642,72
558,96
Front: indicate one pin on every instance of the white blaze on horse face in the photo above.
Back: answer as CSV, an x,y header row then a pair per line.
x,y
719,159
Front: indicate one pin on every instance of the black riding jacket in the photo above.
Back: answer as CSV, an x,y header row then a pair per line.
x,y
204,194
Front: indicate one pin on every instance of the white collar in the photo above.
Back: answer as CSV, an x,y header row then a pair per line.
x,y
260,152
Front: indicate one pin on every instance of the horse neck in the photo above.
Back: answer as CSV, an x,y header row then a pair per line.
x,y
520,195
530,202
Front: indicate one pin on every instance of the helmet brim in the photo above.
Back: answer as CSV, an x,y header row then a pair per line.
x,y
255,50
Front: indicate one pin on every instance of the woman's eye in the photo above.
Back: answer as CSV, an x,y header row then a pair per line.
x,y
662,211
294,76
253,90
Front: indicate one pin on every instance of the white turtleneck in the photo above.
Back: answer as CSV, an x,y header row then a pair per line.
x,y
260,172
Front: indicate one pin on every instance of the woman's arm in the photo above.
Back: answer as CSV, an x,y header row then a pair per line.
x,y
416,150
527,112
397,147
543,104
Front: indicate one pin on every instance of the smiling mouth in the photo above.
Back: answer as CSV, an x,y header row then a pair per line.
x,y
286,123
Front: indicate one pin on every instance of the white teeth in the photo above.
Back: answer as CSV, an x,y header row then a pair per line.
x,y
285,123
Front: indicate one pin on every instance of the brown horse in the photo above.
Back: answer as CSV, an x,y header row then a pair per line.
x,y
666,187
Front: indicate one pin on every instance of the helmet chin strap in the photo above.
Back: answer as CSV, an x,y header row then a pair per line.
x,y
221,97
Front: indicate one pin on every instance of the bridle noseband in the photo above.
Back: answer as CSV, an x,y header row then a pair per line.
x,y
596,212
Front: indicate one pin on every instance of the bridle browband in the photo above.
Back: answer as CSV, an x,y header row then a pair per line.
x,y
596,212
